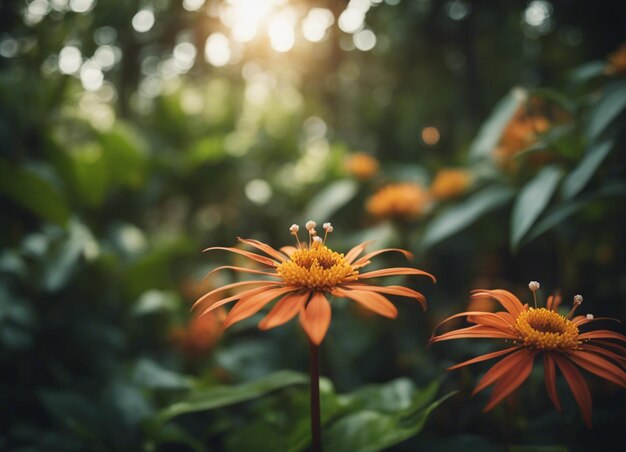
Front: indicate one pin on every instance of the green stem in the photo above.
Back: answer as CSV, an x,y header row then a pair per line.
x,y
316,429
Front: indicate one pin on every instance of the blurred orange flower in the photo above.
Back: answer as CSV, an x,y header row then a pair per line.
x,y
524,130
399,201
617,61
200,335
541,331
302,277
450,183
362,166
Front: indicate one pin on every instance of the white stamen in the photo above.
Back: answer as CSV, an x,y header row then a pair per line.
x,y
317,239
294,228
578,300
590,316
328,227
310,225
534,286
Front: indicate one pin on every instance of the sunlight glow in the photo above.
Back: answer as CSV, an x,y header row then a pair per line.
x,y
217,50
315,24
281,31
143,20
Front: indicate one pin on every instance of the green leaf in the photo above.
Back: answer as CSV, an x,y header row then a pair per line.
x,y
149,374
125,155
33,193
532,200
454,218
491,131
588,71
207,149
91,173
332,198
612,103
221,396
370,430
580,176
564,211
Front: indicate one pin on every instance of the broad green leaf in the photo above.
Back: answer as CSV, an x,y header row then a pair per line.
x,y
580,176
207,149
454,218
531,201
588,71
326,202
612,103
125,155
390,397
370,430
491,131
33,193
221,396
149,374
91,173
564,211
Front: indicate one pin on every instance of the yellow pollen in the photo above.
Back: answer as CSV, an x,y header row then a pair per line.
x,y
543,329
317,267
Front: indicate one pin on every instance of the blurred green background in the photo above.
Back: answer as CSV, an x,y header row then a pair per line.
x,y
134,134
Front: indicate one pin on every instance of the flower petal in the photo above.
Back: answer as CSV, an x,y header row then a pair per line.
x,y
361,262
315,317
509,301
550,377
248,254
553,303
284,310
207,296
370,300
356,250
391,290
265,248
288,250
602,334
247,307
396,271
483,358
577,385
503,325
512,380
476,331
512,363
599,366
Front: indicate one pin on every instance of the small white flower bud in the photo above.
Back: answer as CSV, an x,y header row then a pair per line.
x,y
578,299
590,316
310,225
294,228
534,286
317,239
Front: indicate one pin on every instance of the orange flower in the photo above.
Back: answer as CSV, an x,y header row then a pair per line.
x,y
399,201
302,277
617,61
362,166
450,183
541,331
200,335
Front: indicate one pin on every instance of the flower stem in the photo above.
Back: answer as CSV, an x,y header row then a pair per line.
x,y
316,430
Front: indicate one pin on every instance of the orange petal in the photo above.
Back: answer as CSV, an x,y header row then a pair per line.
x,y
315,317
577,385
582,320
370,300
483,358
475,314
240,269
496,319
599,366
602,334
284,310
553,303
477,331
396,271
391,290
363,259
550,377
355,251
604,345
248,254
207,296
509,301
249,306
514,362
265,248
244,294
512,380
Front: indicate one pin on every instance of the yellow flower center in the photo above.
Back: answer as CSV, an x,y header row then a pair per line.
x,y
317,267
543,329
